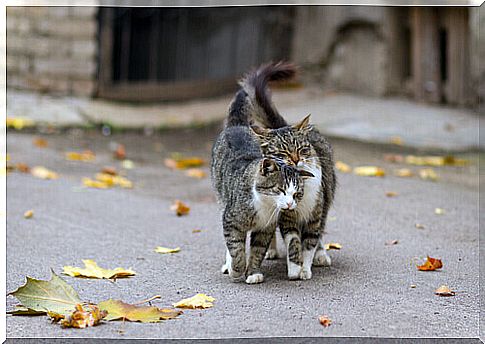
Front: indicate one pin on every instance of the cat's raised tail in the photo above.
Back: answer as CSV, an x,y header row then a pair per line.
x,y
254,97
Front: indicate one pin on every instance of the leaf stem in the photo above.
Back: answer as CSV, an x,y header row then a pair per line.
x,y
148,300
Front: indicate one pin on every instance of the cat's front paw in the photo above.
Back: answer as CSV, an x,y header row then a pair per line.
x,y
305,274
272,254
235,274
321,258
293,271
225,269
255,278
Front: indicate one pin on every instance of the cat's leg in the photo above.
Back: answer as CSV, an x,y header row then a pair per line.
x,y
310,238
272,252
227,264
260,240
235,236
291,236
321,258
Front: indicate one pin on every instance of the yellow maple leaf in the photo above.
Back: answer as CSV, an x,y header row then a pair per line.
x,y
120,310
43,173
180,208
18,123
161,249
92,270
196,301
90,183
369,171
428,173
85,156
181,163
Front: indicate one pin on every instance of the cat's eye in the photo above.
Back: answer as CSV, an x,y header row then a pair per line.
x,y
305,150
282,190
298,195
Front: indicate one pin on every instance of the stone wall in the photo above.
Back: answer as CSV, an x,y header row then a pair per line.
x,y
52,49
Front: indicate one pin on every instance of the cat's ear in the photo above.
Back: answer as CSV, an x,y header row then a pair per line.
x,y
267,166
305,174
259,131
304,124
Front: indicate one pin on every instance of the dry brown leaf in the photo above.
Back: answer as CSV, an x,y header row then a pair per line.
x,y
195,173
28,214
40,142
196,301
342,167
435,160
392,242
391,194
43,173
180,208
369,171
21,167
403,172
109,170
428,173
82,318
120,152
431,264
324,320
444,290
333,246
180,163
85,156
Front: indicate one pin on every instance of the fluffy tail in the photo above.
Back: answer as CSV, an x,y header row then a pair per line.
x,y
254,97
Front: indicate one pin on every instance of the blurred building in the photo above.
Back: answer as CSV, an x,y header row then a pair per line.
x,y
152,54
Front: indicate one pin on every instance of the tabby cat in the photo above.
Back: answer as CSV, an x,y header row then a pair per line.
x,y
254,193
299,145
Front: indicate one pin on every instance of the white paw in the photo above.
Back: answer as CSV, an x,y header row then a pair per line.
x,y
255,278
305,274
225,269
272,254
321,258
293,271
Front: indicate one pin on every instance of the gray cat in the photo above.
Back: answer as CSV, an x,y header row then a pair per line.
x,y
299,145
257,194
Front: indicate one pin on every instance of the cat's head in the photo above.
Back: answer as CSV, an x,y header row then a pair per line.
x,y
289,144
283,184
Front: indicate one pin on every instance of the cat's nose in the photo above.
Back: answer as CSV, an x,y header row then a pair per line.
x,y
290,205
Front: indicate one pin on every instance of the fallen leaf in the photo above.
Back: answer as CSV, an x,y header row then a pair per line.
x,y
120,152
392,242
127,164
40,142
196,301
393,158
431,264
109,170
428,173
412,286
419,226
90,183
85,156
391,194
195,173
369,171
21,167
181,163
324,320
147,314
54,295
342,167
161,249
196,230
180,208
396,140
18,123
444,290
28,214
43,173
21,310
439,211
82,318
435,160
403,172
333,246
92,270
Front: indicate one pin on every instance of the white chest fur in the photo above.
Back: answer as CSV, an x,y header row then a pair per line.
x,y
311,192
266,209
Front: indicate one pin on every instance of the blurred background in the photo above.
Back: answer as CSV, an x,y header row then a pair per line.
x,y
424,54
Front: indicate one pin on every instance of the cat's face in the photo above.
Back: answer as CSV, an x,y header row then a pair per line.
x,y
282,183
288,144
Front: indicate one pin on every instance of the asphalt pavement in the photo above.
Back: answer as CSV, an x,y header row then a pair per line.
x,y
367,292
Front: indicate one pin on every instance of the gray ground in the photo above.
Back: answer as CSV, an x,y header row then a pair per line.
x,y
366,291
